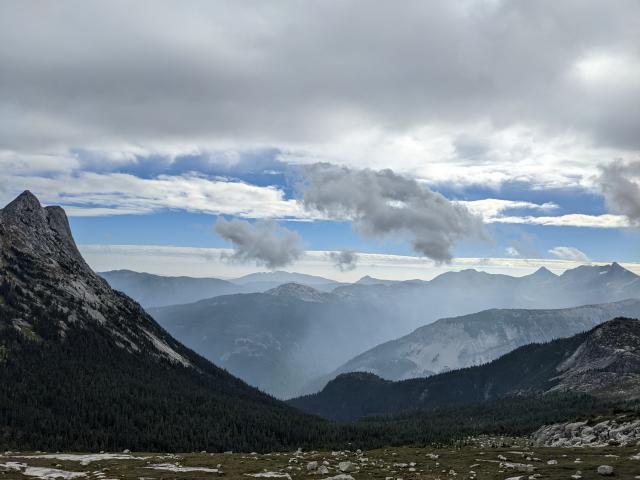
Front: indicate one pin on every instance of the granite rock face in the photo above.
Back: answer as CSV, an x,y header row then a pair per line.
x,y
622,432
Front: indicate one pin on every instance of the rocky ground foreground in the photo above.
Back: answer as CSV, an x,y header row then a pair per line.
x,y
484,460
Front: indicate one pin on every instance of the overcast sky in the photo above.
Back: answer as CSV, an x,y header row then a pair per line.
x,y
440,129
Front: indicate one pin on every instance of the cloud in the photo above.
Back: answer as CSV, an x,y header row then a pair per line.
x,y
492,209
620,184
568,220
569,253
382,203
97,194
106,194
473,97
512,252
264,242
345,260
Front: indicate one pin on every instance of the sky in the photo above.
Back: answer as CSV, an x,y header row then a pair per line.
x,y
342,138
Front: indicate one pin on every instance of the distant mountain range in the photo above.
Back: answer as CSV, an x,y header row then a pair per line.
x,y
469,291
84,367
604,362
158,291
289,339
474,339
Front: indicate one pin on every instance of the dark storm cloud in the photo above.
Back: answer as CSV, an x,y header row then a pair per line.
x,y
620,184
345,260
92,74
264,242
382,203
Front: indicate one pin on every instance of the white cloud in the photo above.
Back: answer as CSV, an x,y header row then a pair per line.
x,y
495,211
105,194
115,193
512,252
491,209
570,220
569,253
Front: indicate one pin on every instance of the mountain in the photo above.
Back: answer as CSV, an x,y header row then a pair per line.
x,y
280,339
160,291
84,367
604,362
263,281
367,280
156,291
452,294
458,342
284,347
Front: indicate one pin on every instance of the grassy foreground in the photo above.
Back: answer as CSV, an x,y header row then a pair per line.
x,y
482,461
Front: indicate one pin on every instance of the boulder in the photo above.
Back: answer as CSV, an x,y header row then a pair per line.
x,y
605,470
347,467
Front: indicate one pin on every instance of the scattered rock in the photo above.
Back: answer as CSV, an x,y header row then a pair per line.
x,y
347,467
616,432
605,470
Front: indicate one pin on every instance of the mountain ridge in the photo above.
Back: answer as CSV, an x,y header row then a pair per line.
x,y
578,364
458,342
85,367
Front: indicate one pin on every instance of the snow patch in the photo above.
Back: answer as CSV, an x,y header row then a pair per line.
x,y
41,472
84,459
172,467
269,475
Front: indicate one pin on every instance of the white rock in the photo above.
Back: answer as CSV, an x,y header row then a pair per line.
x,y
347,467
312,466
605,470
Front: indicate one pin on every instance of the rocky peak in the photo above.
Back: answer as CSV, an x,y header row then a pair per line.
x,y
47,286
366,279
611,342
297,291
39,232
607,362
59,224
543,272
25,208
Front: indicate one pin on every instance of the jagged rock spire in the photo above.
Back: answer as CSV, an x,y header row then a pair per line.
x,y
45,230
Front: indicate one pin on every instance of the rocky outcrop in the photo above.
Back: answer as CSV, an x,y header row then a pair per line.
x,y
607,363
43,271
90,368
619,432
